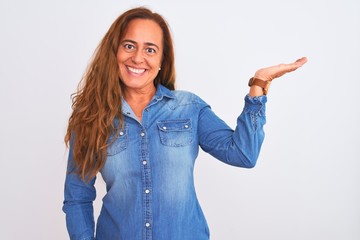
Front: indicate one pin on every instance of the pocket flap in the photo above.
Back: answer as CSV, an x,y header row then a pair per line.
x,y
174,125
117,143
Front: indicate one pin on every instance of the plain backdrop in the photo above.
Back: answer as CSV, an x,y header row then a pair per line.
x,y
306,184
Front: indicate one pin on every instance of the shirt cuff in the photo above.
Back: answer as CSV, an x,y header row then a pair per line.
x,y
255,105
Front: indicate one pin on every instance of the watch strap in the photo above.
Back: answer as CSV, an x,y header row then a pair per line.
x,y
261,83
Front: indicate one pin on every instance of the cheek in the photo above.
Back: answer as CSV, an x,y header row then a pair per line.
x,y
121,56
121,63
119,59
121,67
156,63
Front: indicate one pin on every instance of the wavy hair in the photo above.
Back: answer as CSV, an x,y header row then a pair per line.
x,y
97,103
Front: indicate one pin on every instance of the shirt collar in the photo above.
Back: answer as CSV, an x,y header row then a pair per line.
x,y
162,92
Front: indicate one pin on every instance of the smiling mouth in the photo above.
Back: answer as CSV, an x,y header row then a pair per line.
x,y
136,70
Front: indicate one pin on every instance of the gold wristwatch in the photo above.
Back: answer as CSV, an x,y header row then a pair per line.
x,y
261,83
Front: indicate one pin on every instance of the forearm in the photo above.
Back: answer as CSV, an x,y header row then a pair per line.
x,y
242,146
249,133
78,204
78,207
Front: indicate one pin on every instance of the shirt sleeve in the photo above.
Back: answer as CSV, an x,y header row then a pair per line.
x,y
239,147
78,204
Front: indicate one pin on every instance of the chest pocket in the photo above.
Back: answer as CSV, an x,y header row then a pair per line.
x,y
175,133
119,144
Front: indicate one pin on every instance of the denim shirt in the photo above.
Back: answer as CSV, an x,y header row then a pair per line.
x,y
149,169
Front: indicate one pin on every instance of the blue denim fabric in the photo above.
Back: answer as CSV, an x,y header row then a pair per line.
x,y
149,169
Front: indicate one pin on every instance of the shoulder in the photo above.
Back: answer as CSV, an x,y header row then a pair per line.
x,y
183,97
177,98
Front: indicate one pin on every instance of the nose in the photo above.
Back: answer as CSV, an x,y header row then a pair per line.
x,y
137,56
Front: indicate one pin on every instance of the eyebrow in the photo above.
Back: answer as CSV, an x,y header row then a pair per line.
x,y
146,43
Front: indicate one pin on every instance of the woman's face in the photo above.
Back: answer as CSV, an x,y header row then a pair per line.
x,y
139,54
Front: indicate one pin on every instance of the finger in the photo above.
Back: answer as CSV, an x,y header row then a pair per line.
x,y
293,66
301,61
285,68
276,71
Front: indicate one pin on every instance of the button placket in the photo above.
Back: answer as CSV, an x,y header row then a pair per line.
x,y
147,186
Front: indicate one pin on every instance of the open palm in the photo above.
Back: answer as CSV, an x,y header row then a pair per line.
x,y
270,73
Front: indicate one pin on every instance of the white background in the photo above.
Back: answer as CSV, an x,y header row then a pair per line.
x,y
307,181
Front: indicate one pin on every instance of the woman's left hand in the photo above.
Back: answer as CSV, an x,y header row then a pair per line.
x,y
270,73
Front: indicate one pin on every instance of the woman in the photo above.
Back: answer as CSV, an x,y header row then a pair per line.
x,y
129,124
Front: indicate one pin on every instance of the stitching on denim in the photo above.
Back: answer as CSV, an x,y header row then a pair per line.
x,y
254,120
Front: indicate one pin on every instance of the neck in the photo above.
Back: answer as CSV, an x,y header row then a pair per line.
x,y
139,96
138,99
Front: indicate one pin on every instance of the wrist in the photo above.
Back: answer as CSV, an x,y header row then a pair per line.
x,y
256,91
258,86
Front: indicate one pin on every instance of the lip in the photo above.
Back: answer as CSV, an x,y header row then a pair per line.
x,y
135,70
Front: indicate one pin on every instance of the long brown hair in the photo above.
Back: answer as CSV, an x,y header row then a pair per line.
x,y
97,103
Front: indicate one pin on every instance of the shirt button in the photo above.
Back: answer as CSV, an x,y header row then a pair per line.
x,y
164,128
147,225
144,162
147,191
186,126
121,133
142,134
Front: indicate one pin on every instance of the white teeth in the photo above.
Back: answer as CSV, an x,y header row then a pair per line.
x,y
136,70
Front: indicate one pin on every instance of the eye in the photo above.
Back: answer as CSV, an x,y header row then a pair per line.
x,y
129,47
150,50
